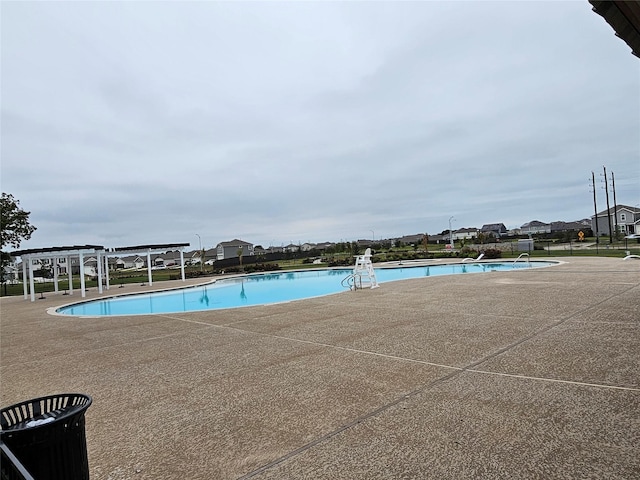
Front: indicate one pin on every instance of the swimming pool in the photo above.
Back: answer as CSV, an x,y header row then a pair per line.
x,y
266,288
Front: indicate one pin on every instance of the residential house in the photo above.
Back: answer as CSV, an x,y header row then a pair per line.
x,y
627,218
11,272
535,227
89,268
113,263
291,248
364,243
132,261
157,261
192,258
172,258
497,229
414,239
465,233
230,249
438,238
560,226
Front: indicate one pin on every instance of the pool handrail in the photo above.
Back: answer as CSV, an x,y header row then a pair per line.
x,y
522,255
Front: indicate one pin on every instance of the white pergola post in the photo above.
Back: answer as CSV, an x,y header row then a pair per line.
x,y
31,285
25,277
149,267
99,266
70,275
55,274
106,269
83,292
182,264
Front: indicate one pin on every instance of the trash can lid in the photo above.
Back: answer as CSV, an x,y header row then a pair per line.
x,y
42,411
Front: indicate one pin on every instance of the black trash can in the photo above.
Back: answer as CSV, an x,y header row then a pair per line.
x,y
47,435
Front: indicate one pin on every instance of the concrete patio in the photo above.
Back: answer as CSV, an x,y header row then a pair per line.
x,y
524,374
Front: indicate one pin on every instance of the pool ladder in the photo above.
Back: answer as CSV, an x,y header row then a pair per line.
x,y
352,281
522,255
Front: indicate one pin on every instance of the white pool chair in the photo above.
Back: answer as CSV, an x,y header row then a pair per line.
x,y
473,259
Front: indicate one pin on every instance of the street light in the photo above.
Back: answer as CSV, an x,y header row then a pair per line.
x,y
450,233
201,255
373,236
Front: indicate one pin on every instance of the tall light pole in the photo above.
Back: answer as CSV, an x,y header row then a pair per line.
x,y
201,255
450,233
606,190
615,203
373,236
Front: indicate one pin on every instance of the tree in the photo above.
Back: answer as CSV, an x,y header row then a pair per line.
x,y
14,227
14,222
240,251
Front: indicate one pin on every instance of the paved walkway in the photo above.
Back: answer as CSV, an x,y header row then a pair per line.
x,y
526,374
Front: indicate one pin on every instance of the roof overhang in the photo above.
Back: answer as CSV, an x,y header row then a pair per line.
x,y
624,18
146,249
51,252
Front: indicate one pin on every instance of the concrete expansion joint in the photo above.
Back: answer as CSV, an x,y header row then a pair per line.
x,y
456,371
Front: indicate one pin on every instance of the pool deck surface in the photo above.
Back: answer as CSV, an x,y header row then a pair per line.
x,y
523,374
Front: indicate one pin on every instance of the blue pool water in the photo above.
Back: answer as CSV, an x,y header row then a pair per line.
x,y
268,288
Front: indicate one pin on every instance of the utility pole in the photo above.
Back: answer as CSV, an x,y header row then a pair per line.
x,y
606,189
615,203
595,209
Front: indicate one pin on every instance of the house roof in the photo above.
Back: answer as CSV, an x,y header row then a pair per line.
x,y
534,223
616,209
563,226
493,226
131,258
233,243
417,237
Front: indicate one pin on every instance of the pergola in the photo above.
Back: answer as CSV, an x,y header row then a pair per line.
x,y
79,252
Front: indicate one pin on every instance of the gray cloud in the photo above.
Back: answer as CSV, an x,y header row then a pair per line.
x,y
148,122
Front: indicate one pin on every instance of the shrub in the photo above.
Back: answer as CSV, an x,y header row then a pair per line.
x,y
468,252
491,253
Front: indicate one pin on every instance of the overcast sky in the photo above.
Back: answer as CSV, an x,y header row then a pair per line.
x,y
127,123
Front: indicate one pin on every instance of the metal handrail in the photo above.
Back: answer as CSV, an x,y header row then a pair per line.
x,y
353,281
520,256
10,466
